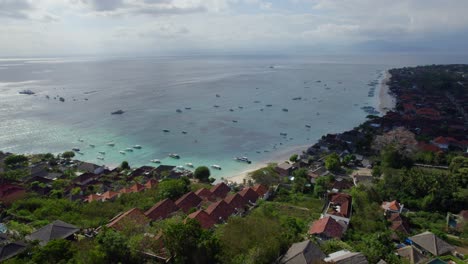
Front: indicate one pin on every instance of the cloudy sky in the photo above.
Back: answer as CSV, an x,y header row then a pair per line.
x,y
112,27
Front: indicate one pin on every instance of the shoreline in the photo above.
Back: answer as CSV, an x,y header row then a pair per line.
x,y
387,102
279,157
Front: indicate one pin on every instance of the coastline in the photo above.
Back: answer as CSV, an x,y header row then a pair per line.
x,y
386,101
279,157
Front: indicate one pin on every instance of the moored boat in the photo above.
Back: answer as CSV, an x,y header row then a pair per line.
x,y
174,156
216,167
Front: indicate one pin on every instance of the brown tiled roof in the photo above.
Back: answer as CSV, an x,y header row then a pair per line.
x,y
205,220
126,190
151,183
137,187
260,189
220,190
412,254
162,209
204,193
109,195
236,201
188,201
133,217
220,211
93,197
327,227
344,201
430,242
249,194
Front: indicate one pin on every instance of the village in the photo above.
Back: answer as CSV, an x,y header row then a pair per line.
x,y
346,199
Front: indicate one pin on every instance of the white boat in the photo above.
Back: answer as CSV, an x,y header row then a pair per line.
x,y
111,144
217,167
155,161
174,156
129,149
102,152
100,158
122,152
190,165
137,147
243,159
180,167
80,140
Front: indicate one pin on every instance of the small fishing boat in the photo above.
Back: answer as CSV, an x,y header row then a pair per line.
x,y
179,111
285,110
217,95
188,108
216,167
216,106
80,140
308,126
174,156
100,158
166,130
122,152
102,152
234,121
118,112
283,134
137,147
190,165
184,132
269,105
92,145
111,144
76,149
155,161
243,159
129,149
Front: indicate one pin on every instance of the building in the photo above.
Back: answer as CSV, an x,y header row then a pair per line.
x,y
188,201
205,220
339,207
10,193
161,210
392,207
220,190
413,255
249,195
304,252
10,250
428,242
284,169
236,201
220,211
346,257
132,218
55,230
327,228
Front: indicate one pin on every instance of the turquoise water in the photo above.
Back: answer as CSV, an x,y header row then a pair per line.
x,y
150,90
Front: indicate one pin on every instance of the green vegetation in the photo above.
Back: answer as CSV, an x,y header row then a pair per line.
x,y
202,173
68,154
266,176
332,162
293,158
124,165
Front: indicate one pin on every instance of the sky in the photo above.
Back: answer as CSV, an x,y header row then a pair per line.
x,y
171,27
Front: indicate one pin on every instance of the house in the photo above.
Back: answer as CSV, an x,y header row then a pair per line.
x,y
346,257
341,184
188,201
328,228
236,201
39,169
284,169
10,193
137,187
55,230
205,194
413,255
12,249
249,195
339,206
428,242
205,220
399,224
163,171
220,211
131,218
304,252
162,210
85,178
151,183
262,191
220,190
109,195
142,171
92,198
90,168
443,142
392,207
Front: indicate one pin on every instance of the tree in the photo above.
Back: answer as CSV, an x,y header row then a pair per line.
x,y
114,245
14,160
188,242
266,176
202,173
332,162
68,154
172,188
124,165
56,251
293,158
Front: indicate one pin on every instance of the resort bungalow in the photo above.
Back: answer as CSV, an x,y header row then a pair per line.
x,y
328,228
392,207
132,218
205,220
220,211
11,249
338,207
10,193
161,210
188,201
284,169
220,190
249,195
304,252
427,242
411,254
55,230
237,202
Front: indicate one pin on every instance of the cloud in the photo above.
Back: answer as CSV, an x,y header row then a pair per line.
x,y
17,9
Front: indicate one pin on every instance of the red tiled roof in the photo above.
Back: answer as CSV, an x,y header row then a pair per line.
x,y
132,217
220,211
427,147
260,189
220,190
205,220
344,201
249,194
327,227
126,190
236,201
151,183
392,206
10,189
137,187
204,193
162,209
188,201
109,195
93,197
441,140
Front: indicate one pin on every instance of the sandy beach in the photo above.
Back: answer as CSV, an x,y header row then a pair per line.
x,y
281,156
386,100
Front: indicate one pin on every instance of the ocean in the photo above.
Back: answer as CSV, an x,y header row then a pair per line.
x,y
215,108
